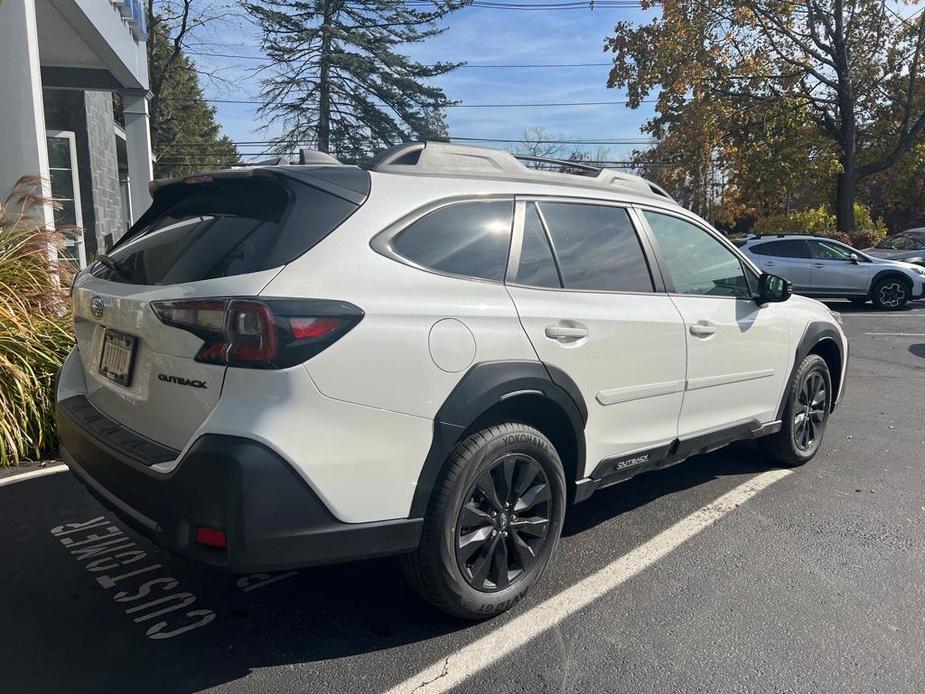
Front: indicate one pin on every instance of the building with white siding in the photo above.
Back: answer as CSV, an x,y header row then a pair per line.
x,y
61,61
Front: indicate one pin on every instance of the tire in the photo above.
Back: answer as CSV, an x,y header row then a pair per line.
x,y
890,294
448,567
795,443
858,300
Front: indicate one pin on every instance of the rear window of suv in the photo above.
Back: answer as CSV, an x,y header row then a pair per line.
x,y
471,239
222,228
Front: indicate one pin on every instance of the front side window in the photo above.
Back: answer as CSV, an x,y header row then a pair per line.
x,y
902,243
828,250
468,238
696,262
597,247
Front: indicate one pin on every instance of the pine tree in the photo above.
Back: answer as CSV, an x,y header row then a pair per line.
x,y
185,138
338,81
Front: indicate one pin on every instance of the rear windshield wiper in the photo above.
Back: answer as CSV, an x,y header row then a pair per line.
x,y
115,265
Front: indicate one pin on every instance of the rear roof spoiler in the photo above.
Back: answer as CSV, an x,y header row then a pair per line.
x,y
350,183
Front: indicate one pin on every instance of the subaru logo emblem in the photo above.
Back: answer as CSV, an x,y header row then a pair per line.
x,y
97,307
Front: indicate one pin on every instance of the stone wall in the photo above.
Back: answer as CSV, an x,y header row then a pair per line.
x,y
89,115
104,170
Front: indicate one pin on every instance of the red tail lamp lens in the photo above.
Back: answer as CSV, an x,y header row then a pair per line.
x,y
210,537
261,333
252,329
308,328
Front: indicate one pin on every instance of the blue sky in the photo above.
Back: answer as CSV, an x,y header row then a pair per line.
x,y
479,36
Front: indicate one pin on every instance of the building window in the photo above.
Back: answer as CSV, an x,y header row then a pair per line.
x,y
65,191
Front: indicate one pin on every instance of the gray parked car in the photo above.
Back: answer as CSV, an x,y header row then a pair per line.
x,y
824,268
907,246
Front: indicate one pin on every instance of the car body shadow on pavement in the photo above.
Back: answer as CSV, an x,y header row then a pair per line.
x,y
63,629
846,307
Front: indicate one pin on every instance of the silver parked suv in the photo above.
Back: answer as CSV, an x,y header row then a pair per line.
x,y
825,268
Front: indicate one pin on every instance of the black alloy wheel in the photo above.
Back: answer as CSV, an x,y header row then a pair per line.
x,y
492,523
503,523
806,412
891,294
810,411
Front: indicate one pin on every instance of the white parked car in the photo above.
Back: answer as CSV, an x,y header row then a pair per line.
x,y
431,356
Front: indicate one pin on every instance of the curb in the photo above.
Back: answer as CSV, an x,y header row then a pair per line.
x,y
31,474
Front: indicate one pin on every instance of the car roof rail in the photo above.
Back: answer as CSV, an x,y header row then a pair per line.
x,y
473,161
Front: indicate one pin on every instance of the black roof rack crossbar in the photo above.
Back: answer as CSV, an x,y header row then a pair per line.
x,y
565,163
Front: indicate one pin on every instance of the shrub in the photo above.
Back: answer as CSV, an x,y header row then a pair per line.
x,y
865,239
35,325
819,221
813,222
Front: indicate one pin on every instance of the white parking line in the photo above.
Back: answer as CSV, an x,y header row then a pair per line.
x,y
22,477
452,671
899,334
920,316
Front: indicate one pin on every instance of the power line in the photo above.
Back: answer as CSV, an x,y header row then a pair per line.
x,y
297,143
541,6
550,104
461,67
605,164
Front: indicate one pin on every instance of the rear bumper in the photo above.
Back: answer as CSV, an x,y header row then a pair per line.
x,y
271,518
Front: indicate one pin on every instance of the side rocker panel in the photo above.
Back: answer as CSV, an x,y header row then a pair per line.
x,y
485,384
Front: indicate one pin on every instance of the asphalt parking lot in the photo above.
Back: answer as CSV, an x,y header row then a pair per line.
x,y
810,582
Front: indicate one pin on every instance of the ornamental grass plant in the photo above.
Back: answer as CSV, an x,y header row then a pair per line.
x,y
35,323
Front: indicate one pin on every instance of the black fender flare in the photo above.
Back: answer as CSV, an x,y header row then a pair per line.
x,y
889,272
485,384
814,333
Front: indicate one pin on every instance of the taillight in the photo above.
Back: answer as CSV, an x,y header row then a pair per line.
x,y
260,333
210,537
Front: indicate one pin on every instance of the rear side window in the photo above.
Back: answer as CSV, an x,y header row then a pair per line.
x,y
791,248
223,228
467,238
537,267
597,247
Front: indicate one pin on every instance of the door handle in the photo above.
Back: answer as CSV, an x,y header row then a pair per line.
x,y
768,263
818,265
702,329
565,332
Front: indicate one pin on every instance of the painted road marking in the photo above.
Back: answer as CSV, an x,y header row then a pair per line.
x,y
899,334
22,477
112,551
883,315
450,672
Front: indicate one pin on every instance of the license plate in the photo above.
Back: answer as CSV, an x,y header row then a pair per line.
x,y
118,355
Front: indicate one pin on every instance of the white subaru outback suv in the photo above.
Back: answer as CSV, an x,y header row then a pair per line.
x,y
431,356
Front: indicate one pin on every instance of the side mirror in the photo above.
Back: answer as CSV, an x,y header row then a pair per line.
x,y
854,258
773,289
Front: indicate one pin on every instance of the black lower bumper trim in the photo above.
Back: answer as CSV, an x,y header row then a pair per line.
x,y
271,518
